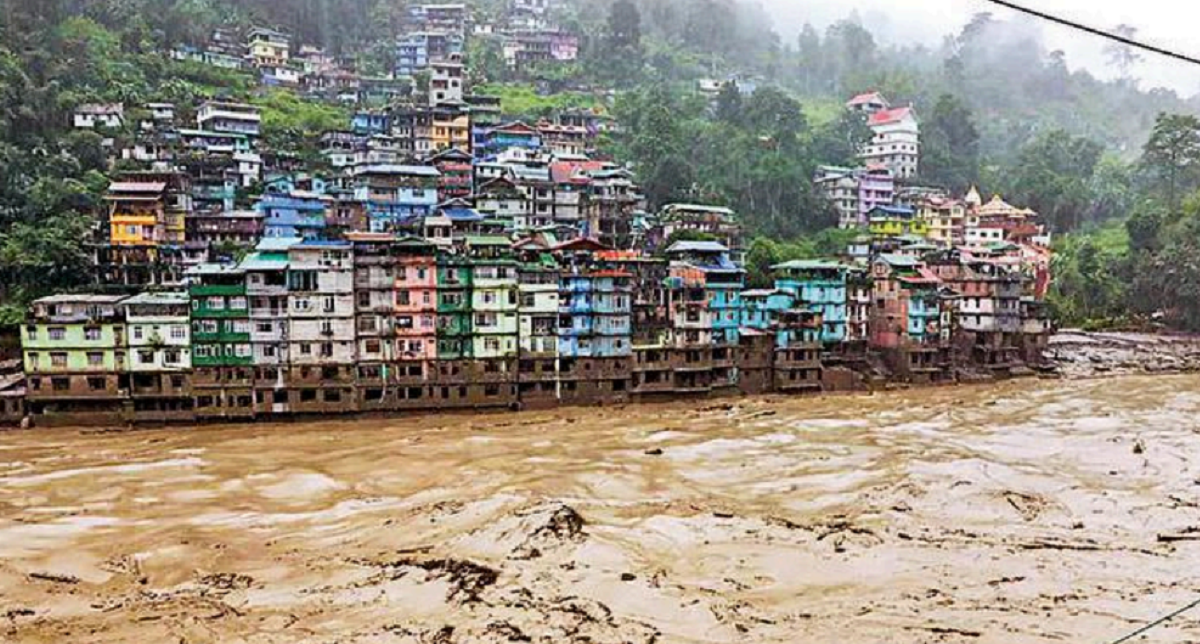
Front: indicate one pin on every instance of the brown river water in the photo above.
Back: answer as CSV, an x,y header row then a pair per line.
x,y
1052,511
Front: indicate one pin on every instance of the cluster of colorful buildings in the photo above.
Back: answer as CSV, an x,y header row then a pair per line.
x,y
387,322
525,33
443,259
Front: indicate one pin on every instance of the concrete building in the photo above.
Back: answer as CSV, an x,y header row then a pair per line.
x,y
160,356
321,333
222,355
76,360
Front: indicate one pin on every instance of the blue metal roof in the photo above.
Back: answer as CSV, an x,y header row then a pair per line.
x,y
697,247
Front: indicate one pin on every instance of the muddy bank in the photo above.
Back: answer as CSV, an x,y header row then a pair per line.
x,y
1026,511
1081,354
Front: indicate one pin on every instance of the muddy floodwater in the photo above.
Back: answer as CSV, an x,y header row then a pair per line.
x,y
1024,512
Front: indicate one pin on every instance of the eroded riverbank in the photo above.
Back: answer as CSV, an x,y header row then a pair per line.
x,y
1028,511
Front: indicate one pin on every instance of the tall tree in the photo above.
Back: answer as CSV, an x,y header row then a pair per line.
x,y
1172,155
950,145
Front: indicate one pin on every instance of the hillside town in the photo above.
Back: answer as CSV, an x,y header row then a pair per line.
x,y
439,257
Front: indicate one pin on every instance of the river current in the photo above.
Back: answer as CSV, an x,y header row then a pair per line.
x,y
1033,511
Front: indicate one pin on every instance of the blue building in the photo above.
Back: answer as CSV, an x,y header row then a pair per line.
x,y
366,123
416,51
495,140
708,284
293,214
820,288
397,196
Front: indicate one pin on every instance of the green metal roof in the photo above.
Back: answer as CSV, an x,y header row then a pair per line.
x,y
809,264
488,240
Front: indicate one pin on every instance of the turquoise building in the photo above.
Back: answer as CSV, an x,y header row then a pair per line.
x,y
820,288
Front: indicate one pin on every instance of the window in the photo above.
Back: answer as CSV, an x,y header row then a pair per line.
x,y
96,384
269,351
305,349
95,359
415,346
178,332
242,351
403,298
145,357
238,303
265,327
372,346
172,356
240,326
327,350
137,332
215,303
92,333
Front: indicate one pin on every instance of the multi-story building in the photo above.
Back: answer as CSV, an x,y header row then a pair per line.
x,y
321,327
451,127
537,329
946,220
416,320
820,288
704,302
503,137
896,221
147,215
720,223
854,192
896,144
231,118
268,48
222,355
294,214
158,331
457,174
612,200
416,51
397,196
446,81
75,359
266,272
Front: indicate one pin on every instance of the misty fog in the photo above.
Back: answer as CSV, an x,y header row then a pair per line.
x,y
1165,23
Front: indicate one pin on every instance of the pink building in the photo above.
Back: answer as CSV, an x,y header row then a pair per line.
x,y
416,303
876,187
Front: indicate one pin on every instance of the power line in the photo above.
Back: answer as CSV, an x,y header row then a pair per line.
x,y
1157,622
1097,32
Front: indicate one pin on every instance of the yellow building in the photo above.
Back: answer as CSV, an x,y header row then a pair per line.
x,y
451,129
136,213
895,221
946,219
269,48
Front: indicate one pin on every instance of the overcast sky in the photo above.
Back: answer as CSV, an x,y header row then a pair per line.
x,y
1170,24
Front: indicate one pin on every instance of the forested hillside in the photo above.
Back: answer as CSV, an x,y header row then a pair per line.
x,y
997,110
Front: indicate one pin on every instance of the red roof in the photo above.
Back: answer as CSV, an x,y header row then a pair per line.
x,y
611,273
582,243
884,117
868,97
566,171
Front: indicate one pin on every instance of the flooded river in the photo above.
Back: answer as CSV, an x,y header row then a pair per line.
x,y
1025,512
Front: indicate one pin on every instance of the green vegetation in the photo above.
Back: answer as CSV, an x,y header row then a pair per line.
x,y
520,100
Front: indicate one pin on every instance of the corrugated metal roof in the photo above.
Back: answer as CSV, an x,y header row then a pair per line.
x,y
697,247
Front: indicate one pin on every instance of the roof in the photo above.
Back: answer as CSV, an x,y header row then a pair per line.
x,y
277,244
866,97
100,108
488,240
899,261
461,214
261,262
809,265
80,298
697,247
215,269
170,297
137,186
893,211
923,276
698,207
884,117
582,243
389,168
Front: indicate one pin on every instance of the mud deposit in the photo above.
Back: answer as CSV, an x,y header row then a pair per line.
x,y
1029,512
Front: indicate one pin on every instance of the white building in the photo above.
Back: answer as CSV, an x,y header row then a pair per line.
x,y
93,115
896,144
